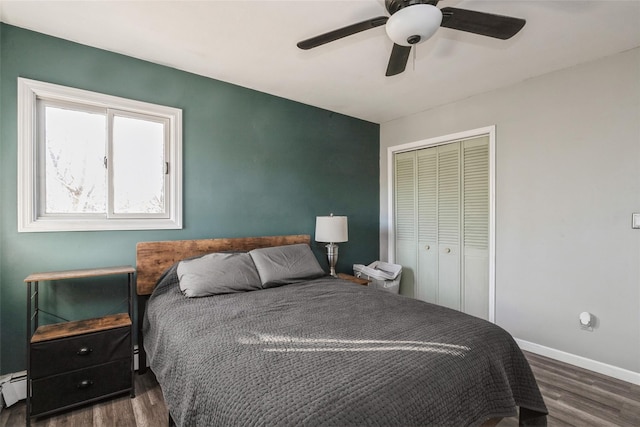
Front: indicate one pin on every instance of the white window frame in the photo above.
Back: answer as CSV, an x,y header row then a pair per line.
x,y
30,217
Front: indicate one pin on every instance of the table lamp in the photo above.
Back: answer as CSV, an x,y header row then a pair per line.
x,y
331,230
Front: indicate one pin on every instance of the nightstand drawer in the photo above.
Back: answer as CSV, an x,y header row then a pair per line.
x,y
59,391
67,354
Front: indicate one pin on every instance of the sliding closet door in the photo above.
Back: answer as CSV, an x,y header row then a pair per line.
x,y
442,224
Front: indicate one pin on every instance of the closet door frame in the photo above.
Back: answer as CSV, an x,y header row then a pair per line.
x,y
489,131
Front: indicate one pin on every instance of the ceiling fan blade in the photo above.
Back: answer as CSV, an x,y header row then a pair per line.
x,y
342,32
398,59
486,24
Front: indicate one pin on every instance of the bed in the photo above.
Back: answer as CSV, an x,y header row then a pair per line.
x,y
301,348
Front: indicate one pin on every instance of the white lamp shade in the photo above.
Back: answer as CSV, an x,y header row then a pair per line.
x,y
416,20
331,229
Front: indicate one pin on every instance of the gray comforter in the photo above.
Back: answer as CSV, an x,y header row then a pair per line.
x,y
328,352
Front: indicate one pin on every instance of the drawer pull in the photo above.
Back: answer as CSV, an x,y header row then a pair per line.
x,y
84,351
85,384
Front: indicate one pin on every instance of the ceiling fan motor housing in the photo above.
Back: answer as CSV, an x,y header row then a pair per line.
x,y
413,23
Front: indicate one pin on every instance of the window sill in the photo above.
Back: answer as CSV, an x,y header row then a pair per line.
x,y
47,225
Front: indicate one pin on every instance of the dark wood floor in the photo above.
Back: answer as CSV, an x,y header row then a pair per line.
x,y
574,397
577,397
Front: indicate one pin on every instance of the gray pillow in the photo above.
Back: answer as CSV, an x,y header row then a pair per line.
x,y
218,273
281,265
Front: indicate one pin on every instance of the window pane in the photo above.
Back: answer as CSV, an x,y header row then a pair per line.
x,y
138,166
74,149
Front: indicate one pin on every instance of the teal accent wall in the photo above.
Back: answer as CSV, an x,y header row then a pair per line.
x,y
254,165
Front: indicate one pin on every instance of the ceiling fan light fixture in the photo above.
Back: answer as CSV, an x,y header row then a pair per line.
x,y
413,24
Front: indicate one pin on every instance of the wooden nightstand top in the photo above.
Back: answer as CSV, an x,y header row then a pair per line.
x,y
77,274
354,279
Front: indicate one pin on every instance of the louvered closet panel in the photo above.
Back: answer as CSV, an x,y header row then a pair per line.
x,y
449,290
442,224
475,204
427,249
405,218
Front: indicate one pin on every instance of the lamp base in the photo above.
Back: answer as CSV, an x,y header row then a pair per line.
x,y
332,256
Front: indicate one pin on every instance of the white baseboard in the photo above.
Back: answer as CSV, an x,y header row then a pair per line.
x,y
582,362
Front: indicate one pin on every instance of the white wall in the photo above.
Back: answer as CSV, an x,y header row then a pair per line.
x,y
568,180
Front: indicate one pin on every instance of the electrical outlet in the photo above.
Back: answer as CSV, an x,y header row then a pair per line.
x,y
587,321
635,220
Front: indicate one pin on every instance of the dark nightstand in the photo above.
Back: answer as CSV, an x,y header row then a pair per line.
x,y
77,362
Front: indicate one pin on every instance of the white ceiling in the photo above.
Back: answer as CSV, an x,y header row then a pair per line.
x,y
253,44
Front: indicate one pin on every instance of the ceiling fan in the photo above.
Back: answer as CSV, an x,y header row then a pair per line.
x,y
414,21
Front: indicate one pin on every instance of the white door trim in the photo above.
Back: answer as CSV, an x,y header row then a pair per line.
x,y
431,142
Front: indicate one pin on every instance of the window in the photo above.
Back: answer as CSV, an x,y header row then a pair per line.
x,y
88,161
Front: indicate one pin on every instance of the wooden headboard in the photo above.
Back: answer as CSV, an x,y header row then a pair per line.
x,y
153,258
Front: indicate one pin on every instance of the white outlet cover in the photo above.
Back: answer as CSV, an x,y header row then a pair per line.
x,y
635,220
585,318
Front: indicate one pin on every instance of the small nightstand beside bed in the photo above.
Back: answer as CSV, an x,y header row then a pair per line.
x,y
277,342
